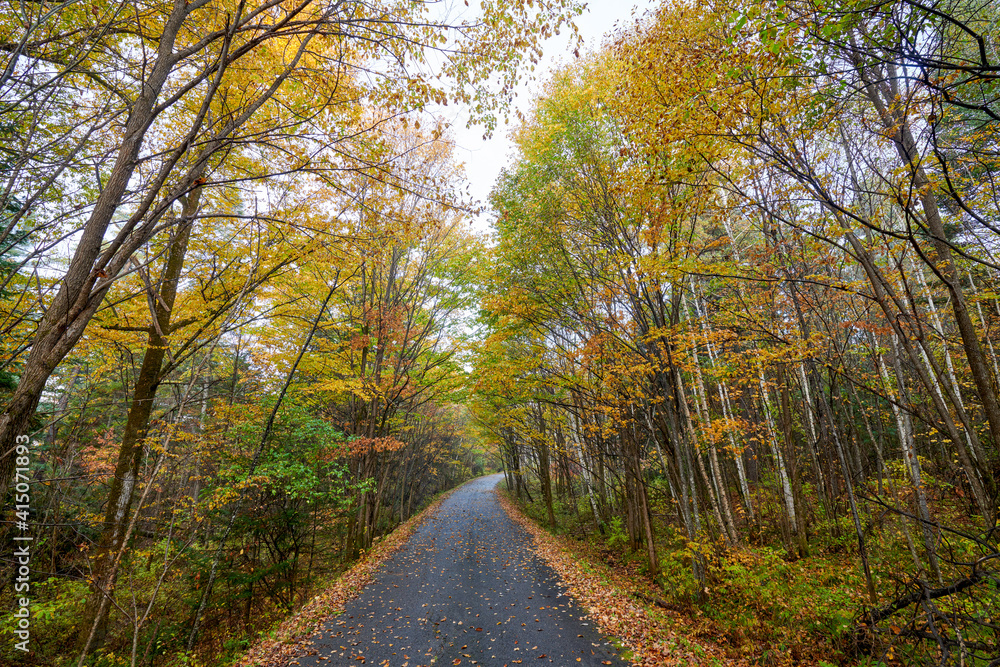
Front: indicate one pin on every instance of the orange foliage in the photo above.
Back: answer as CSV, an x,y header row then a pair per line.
x,y
99,461
362,446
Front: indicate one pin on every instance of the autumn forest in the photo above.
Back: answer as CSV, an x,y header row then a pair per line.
x,y
731,335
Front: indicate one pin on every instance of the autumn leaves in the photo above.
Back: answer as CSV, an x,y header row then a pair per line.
x,y
228,246
736,284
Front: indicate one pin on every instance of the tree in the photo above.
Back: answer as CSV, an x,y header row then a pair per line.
x,y
177,115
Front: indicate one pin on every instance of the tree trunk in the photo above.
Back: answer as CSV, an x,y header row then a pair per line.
x,y
125,480
896,122
86,281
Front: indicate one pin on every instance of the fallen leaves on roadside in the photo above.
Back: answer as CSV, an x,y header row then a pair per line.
x,y
606,596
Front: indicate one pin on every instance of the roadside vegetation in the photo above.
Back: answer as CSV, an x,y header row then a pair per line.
x,y
235,273
735,332
741,334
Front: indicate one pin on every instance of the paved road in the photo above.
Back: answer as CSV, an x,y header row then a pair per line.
x,y
465,590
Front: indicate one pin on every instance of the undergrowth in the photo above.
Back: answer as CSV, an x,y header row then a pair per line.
x,y
763,606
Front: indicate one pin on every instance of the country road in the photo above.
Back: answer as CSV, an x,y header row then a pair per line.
x,y
465,590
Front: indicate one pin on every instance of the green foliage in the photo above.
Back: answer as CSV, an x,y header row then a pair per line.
x,y
301,460
617,537
676,569
760,593
56,607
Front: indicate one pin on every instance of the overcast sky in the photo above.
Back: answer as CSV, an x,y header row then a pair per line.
x,y
484,159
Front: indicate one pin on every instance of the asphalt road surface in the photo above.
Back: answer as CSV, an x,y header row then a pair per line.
x,y
465,590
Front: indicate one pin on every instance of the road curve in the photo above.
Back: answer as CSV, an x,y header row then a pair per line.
x,y
466,589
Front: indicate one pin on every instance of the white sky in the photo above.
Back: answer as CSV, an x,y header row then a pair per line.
x,y
484,159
